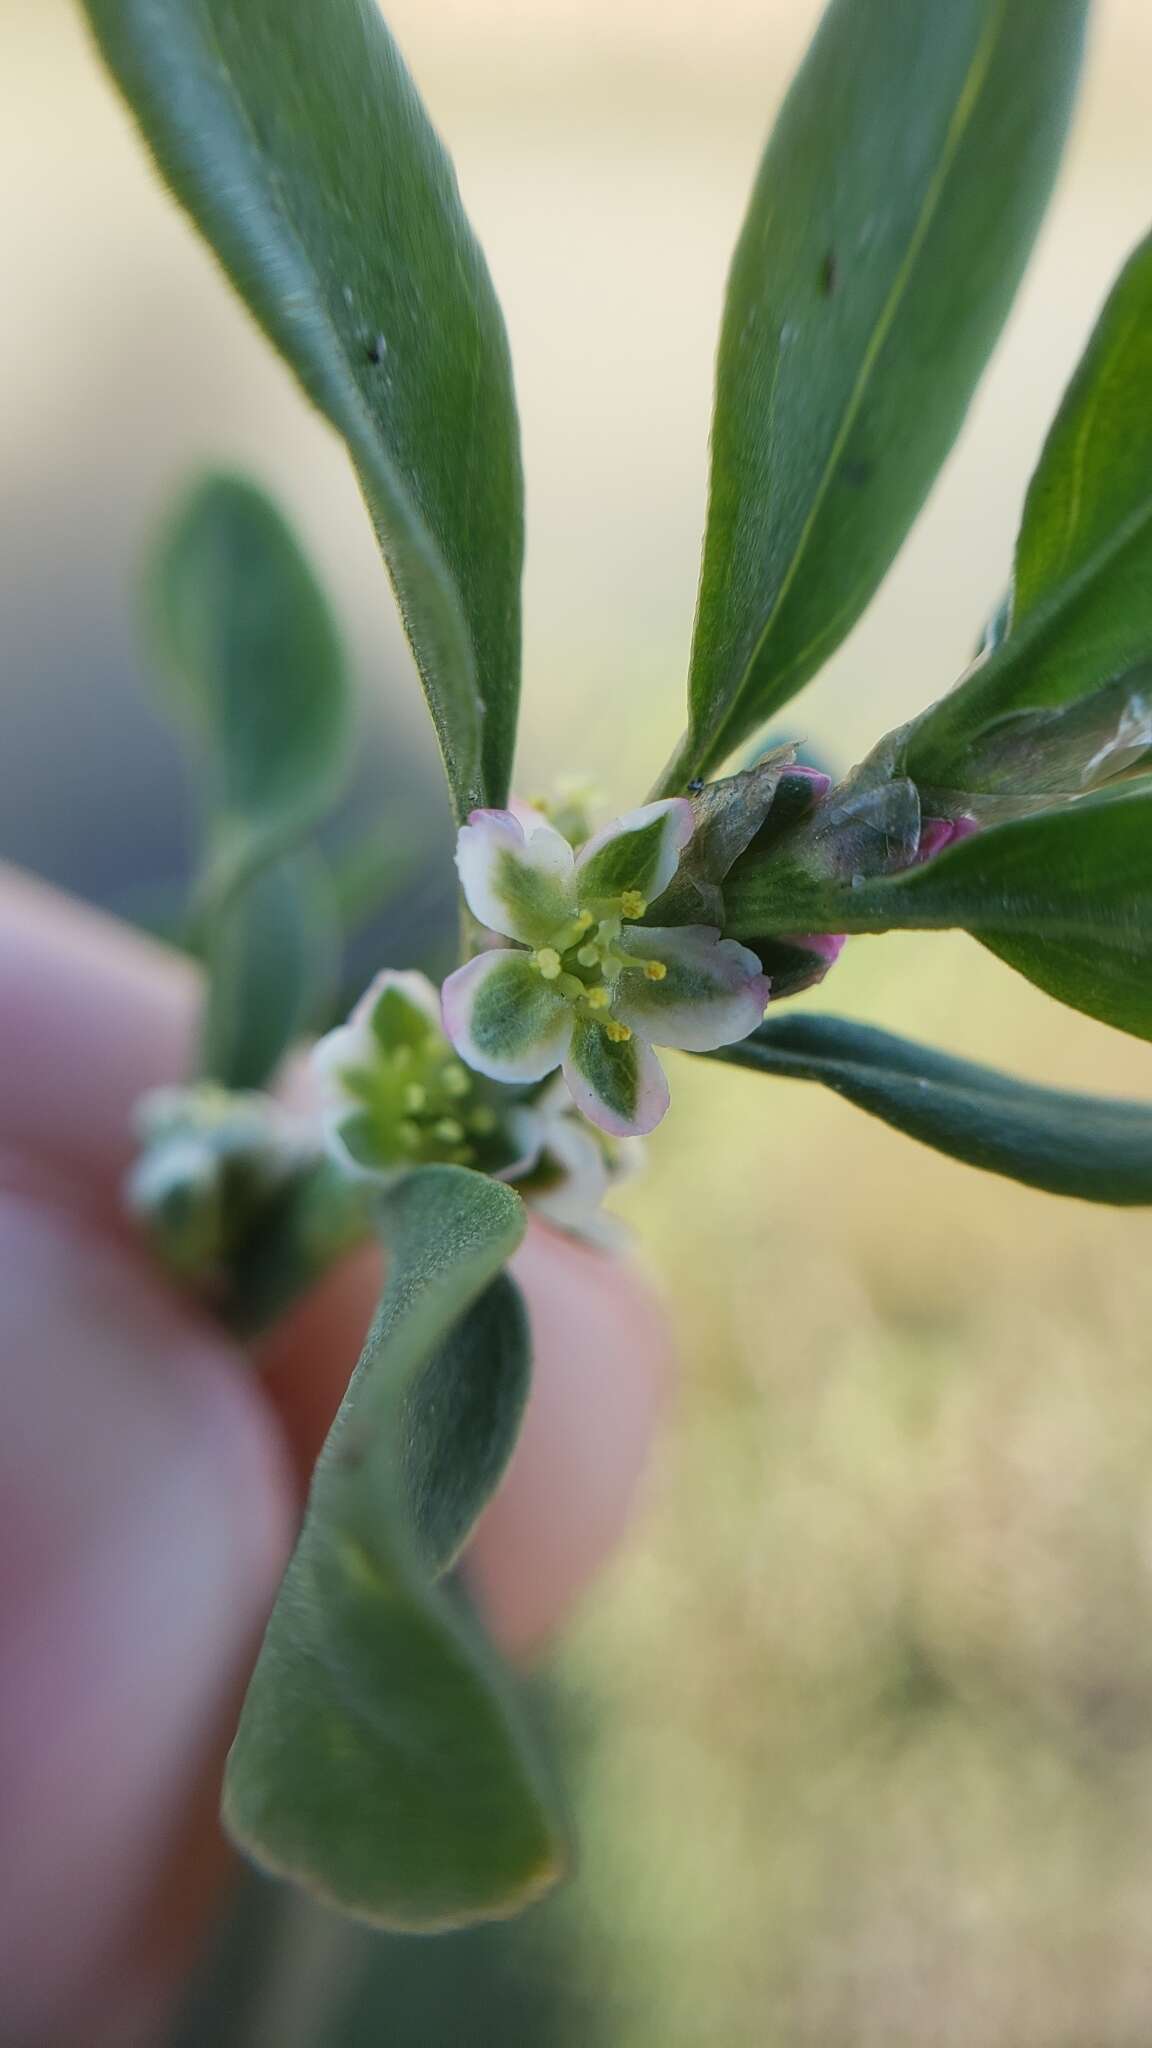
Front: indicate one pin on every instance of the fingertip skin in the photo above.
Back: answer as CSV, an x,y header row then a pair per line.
x,y
91,1015
145,1505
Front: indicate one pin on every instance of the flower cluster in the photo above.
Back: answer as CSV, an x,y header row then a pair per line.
x,y
212,1159
586,985
393,1095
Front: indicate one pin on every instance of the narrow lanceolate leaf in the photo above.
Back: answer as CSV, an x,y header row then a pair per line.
x,y
888,228
381,1757
1097,1148
1064,896
271,958
295,138
1080,616
250,654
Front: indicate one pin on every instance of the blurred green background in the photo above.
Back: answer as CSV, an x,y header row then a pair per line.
x,y
860,1725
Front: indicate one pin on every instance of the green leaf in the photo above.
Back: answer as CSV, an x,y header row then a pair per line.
x,y
1088,1146
890,222
1081,608
296,140
381,1757
369,874
253,661
255,671
272,957
1064,896
1031,759
319,1215
463,1420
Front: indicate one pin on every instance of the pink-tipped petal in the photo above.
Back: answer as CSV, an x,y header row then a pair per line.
x,y
504,1019
618,1084
515,881
526,815
713,990
640,851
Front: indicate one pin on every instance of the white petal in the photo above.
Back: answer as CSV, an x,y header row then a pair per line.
x,y
619,1086
527,815
587,1178
527,1130
415,988
573,1203
504,1019
516,882
713,992
351,1045
639,851
355,1044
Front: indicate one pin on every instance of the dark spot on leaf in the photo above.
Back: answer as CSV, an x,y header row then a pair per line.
x,y
696,785
830,275
376,349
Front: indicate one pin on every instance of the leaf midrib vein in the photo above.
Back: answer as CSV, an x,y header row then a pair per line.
x,y
957,128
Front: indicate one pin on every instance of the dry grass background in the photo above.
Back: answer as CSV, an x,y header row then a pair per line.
x,y
866,1708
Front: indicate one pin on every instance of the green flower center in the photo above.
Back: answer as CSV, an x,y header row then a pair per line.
x,y
418,1106
582,961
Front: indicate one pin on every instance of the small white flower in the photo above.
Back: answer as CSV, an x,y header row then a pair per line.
x,y
210,1159
574,1168
394,1095
586,986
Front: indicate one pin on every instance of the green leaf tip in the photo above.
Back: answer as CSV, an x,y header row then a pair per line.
x,y
889,226
1079,618
301,150
383,1758
249,651
251,661
1093,1148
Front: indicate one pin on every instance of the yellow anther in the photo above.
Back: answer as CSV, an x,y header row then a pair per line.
x,y
449,1131
598,998
632,903
482,1121
415,1097
455,1081
547,962
654,970
585,920
618,1033
589,956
